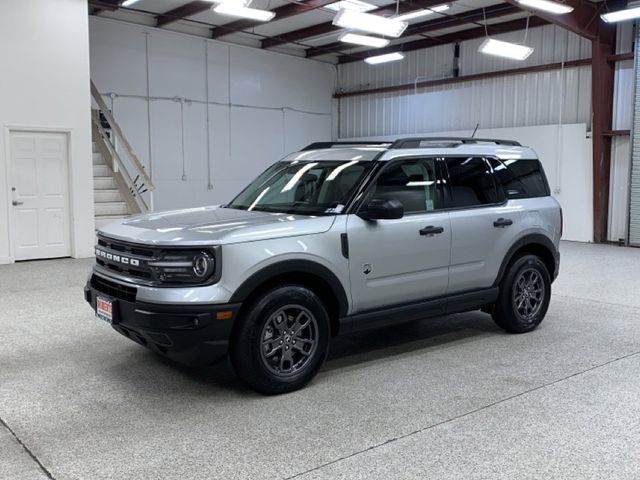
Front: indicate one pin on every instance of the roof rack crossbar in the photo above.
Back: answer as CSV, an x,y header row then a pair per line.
x,y
417,141
319,145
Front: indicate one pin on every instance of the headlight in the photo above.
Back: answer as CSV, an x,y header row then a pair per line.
x,y
180,267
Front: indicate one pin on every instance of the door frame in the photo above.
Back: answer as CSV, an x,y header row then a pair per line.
x,y
8,130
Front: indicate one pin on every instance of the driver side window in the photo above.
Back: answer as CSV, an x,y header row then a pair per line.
x,y
412,182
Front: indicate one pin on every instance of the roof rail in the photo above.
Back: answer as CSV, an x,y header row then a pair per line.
x,y
416,142
319,145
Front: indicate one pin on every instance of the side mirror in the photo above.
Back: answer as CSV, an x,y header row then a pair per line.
x,y
382,209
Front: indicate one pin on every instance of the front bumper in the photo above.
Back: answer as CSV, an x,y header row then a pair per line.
x,y
189,334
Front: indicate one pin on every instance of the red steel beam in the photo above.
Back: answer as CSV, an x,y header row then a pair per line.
x,y
617,133
620,57
466,78
284,11
493,11
328,27
468,34
602,81
183,11
584,20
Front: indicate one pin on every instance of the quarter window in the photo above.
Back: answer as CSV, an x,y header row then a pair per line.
x,y
471,182
412,182
521,178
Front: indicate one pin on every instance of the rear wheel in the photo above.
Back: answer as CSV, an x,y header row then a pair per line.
x,y
281,340
525,292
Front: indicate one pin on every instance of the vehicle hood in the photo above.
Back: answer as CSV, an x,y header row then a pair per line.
x,y
213,226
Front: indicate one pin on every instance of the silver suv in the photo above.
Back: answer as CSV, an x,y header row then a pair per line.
x,y
335,239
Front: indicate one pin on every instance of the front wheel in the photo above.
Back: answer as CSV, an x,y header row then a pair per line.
x,y
281,340
525,293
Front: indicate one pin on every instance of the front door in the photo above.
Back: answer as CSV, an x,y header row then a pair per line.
x,y
407,259
39,188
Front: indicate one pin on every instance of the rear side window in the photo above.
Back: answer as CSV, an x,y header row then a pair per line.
x,y
471,183
521,178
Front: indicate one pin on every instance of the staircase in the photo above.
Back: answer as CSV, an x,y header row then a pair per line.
x,y
121,185
109,203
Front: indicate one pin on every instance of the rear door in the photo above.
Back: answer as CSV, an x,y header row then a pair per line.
x,y
483,224
391,261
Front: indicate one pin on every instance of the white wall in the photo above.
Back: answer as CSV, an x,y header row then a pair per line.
x,y
565,153
44,83
262,105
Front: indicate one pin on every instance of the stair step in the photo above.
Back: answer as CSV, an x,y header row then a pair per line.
x,y
97,159
101,171
94,147
110,208
104,183
104,220
107,195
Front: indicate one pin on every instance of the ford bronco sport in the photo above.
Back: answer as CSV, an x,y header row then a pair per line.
x,y
335,239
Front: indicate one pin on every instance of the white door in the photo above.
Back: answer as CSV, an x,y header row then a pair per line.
x,y
39,195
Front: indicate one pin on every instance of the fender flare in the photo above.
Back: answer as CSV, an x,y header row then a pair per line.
x,y
290,267
529,239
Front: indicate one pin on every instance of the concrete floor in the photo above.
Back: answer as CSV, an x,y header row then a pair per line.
x,y
447,398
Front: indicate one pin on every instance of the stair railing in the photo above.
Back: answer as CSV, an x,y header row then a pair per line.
x,y
131,176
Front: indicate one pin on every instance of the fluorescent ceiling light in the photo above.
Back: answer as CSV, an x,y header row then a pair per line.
x,y
127,3
491,46
547,6
621,15
387,57
365,40
422,13
237,10
355,5
367,22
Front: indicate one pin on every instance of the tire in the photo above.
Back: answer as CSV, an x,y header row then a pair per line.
x,y
525,293
281,340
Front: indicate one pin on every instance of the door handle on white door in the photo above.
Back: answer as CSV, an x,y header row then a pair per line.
x,y
431,230
16,203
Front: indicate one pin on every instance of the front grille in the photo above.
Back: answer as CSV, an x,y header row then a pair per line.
x,y
113,289
118,249
168,265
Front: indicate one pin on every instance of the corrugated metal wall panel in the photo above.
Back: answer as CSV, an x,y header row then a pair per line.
x,y
634,204
621,146
522,100
551,43
528,99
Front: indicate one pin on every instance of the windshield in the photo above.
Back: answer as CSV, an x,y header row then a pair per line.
x,y
306,188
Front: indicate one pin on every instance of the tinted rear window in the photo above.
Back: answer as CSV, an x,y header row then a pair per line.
x,y
471,182
521,178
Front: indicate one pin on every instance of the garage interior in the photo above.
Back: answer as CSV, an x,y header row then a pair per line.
x,y
112,108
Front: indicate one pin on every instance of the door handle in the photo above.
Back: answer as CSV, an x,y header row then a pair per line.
x,y
431,230
15,203
503,222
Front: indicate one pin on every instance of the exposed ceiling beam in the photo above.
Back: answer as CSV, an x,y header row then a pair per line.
x,y
284,11
583,20
469,34
328,27
186,10
493,11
